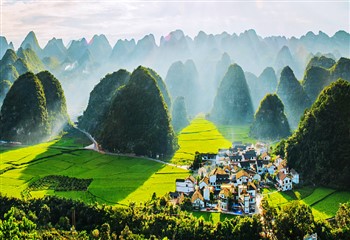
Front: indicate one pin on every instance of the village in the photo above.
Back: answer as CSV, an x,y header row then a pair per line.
x,y
231,180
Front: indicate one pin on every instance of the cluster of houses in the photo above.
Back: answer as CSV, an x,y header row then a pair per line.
x,y
231,179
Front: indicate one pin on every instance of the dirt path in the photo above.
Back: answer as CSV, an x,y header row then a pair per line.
x,y
95,147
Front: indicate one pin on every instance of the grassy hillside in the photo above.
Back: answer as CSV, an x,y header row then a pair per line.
x,y
202,136
116,179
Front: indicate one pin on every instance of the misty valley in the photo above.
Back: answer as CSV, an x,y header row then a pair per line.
x,y
219,136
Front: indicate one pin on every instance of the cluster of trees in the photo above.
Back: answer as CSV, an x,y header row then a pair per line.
x,y
33,109
60,183
53,217
295,221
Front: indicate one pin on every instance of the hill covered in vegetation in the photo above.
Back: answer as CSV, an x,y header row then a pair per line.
x,y
321,71
270,122
293,96
33,109
319,148
100,100
55,101
4,88
179,114
138,120
24,116
232,104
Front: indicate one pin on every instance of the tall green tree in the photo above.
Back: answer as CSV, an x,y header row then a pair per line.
x,y
294,221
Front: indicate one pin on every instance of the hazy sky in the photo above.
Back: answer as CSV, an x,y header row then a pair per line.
x,y
71,19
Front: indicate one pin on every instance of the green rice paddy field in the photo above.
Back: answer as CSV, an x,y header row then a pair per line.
x,y
116,179
121,179
324,202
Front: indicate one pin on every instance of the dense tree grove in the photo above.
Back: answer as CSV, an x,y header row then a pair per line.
x,y
232,104
293,96
322,139
179,114
56,218
138,120
24,116
270,122
100,100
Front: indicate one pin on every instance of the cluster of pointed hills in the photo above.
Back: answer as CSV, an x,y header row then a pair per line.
x,y
136,111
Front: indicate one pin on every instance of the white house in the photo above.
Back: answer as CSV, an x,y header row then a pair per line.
x,y
242,177
251,189
265,156
271,168
206,193
185,185
197,200
282,167
217,177
278,160
204,182
284,181
224,195
295,176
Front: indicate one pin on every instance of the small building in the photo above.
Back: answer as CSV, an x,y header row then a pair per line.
x,y
254,175
278,160
244,164
217,177
265,156
204,183
250,155
206,192
224,195
284,181
185,185
295,176
242,177
197,200
271,168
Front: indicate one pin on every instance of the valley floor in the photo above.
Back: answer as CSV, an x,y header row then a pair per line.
x,y
119,180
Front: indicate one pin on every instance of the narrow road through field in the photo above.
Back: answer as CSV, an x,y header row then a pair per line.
x,y
95,147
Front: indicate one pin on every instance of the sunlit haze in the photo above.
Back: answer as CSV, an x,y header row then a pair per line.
x,y
134,19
